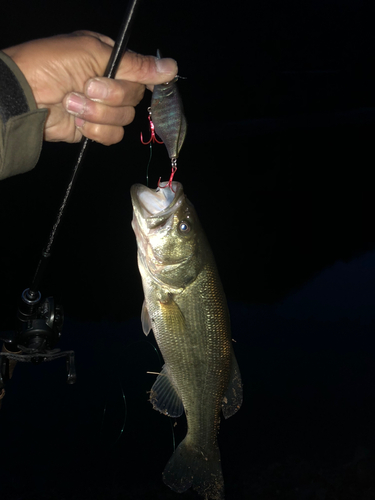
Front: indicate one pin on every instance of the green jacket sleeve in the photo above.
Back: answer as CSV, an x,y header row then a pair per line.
x,y
21,122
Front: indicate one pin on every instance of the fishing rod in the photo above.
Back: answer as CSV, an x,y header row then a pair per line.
x,y
39,323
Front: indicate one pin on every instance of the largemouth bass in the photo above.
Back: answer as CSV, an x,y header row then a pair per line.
x,y
185,306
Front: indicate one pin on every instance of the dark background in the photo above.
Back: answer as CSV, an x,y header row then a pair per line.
x,y
278,160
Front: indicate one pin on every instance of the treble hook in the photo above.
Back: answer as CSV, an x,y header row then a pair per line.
x,y
152,130
169,183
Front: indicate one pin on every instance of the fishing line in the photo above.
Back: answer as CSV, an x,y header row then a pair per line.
x,y
125,415
104,416
152,139
108,410
118,373
148,164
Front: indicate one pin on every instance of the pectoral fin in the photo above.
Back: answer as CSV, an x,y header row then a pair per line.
x,y
173,317
146,320
164,395
232,400
168,314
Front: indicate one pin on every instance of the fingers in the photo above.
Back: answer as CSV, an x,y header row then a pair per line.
x,y
103,38
148,70
119,101
97,121
134,67
61,126
106,107
114,92
105,134
78,105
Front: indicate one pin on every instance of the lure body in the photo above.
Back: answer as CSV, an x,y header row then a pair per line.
x,y
168,116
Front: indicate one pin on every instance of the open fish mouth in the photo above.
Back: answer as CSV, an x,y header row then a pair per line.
x,y
157,200
154,205
154,209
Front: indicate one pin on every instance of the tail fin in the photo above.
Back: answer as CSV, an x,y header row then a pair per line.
x,y
193,467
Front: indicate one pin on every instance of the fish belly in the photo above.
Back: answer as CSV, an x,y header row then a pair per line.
x,y
192,330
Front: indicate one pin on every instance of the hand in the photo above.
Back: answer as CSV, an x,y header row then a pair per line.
x,y
64,73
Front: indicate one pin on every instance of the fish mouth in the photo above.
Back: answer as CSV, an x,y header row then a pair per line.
x,y
152,210
153,219
155,205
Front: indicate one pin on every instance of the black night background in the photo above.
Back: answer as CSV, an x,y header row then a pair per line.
x,y
278,161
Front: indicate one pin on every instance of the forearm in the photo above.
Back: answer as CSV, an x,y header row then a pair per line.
x,y
21,122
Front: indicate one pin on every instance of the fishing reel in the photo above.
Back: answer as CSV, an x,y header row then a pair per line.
x,y
39,326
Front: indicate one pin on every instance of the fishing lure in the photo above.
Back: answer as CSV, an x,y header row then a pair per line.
x,y
167,120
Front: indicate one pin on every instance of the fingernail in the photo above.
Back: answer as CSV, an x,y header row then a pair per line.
x,y
76,104
167,65
97,89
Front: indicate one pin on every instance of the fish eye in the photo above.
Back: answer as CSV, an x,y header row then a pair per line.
x,y
184,227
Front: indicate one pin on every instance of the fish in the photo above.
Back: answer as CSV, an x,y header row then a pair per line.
x,y
168,116
185,306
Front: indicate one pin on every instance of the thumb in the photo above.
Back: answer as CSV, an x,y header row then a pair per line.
x,y
148,70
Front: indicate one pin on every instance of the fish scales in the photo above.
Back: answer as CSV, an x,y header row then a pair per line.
x,y
186,308
187,354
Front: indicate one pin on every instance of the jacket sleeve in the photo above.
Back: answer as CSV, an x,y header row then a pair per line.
x,y
21,122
